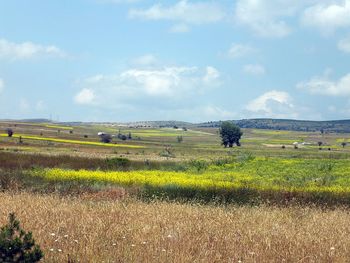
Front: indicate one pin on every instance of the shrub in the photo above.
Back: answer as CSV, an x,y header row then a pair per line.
x,y
16,245
167,152
118,163
222,161
245,157
106,138
122,137
180,139
199,165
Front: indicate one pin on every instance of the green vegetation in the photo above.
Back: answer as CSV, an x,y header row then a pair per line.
x,y
244,178
272,166
230,134
16,245
71,141
277,175
342,126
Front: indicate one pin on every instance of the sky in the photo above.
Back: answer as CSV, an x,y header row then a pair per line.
x,y
188,60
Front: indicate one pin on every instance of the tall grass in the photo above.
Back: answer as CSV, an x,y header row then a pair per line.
x,y
85,230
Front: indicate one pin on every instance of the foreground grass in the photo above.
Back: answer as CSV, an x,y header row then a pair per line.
x,y
128,230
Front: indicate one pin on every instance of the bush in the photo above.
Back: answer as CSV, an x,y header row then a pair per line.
x,y
118,162
16,245
244,157
199,165
180,139
223,161
167,152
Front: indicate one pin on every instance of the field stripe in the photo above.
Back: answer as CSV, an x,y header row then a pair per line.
x,y
73,141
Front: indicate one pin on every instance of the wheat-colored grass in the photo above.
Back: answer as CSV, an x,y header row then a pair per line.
x,y
92,229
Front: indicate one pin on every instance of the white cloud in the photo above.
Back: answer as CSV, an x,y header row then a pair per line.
x,y
324,86
2,85
254,69
24,105
145,60
194,13
204,113
240,50
85,96
27,50
266,17
212,74
180,28
274,104
344,44
158,82
119,1
163,87
40,106
213,112
328,16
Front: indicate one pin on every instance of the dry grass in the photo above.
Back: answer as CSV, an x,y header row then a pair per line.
x,y
127,230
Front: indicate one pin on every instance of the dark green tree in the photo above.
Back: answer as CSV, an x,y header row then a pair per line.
x,y
9,132
230,134
16,245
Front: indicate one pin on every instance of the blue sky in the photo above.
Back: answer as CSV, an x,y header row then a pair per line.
x,y
130,60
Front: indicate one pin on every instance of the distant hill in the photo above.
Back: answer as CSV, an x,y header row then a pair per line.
x,y
160,124
342,126
28,120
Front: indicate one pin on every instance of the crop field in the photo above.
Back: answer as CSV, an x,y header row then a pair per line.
x,y
176,194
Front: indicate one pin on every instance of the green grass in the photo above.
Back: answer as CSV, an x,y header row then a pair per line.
x,y
89,143
244,178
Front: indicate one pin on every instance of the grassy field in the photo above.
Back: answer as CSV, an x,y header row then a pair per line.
x,y
99,228
156,198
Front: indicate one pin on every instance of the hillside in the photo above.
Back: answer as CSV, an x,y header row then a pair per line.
x,y
341,126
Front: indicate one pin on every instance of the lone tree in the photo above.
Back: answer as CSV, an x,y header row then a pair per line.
x,y
230,134
9,132
343,144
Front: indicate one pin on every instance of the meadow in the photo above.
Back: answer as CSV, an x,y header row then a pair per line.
x,y
155,198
